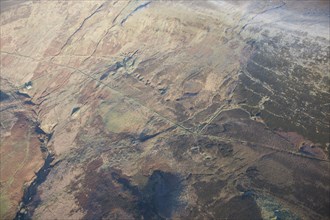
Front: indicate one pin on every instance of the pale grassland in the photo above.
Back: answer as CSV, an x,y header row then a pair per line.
x,y
119,117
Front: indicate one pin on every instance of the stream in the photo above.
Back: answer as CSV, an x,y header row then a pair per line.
x,y
30,200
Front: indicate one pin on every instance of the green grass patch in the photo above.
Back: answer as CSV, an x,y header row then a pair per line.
x,y
119,117
4,206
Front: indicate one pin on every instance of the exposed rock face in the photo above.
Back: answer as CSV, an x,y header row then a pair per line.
x,y
168,110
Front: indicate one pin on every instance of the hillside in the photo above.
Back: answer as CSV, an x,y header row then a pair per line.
x,y
165,110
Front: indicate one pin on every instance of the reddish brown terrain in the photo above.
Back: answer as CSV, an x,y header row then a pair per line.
x,y
20,152
165,110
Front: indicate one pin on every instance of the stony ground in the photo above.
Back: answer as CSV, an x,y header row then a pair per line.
x,y
165,110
